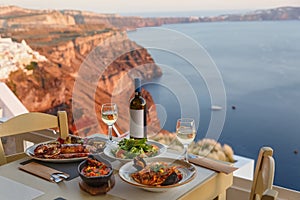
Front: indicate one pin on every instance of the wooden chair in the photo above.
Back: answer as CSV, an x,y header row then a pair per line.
x,y
28,122
264,176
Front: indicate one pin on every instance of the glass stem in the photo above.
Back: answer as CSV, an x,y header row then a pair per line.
x,y
186,157
110,133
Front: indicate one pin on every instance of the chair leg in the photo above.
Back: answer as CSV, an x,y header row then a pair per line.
x,y
2,154
221,196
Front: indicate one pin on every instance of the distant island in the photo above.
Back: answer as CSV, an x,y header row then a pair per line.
x,y
281,13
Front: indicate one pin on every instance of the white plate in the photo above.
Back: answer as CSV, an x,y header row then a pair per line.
x,y
30,152
188,173
107,151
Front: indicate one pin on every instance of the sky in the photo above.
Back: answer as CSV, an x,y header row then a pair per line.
x,y
134,6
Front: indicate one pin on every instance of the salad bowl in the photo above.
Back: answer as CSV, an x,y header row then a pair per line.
x,y
126,149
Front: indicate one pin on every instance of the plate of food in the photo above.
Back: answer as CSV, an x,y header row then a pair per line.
x,y
127,149
71,149
157,174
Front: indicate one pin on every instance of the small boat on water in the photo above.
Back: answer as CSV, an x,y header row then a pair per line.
x,y
215,107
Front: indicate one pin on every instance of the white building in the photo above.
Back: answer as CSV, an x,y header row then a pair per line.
x,y
14,56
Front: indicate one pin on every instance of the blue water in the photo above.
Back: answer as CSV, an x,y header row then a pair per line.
x,y
259,63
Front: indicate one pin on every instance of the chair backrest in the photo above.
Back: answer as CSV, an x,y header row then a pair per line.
x,y
264,173
32,121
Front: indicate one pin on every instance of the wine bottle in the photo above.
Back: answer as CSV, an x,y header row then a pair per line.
x,y
138,113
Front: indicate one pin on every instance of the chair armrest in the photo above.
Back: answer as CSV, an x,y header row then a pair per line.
x,y
269,194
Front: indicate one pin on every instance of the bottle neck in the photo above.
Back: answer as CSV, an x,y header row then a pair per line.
x,y
138,90
137,84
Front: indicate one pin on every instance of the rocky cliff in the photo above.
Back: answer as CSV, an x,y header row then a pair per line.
x,y
94,58
16,17
125,22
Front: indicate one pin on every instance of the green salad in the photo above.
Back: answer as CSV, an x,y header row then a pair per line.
x,y
130,148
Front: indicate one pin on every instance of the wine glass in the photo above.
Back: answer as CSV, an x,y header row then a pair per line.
x,y
109,116
185,133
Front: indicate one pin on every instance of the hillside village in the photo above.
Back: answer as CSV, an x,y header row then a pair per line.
x,y
14,56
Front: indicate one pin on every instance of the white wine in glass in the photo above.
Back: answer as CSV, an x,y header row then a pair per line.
x,y
185,133
109,113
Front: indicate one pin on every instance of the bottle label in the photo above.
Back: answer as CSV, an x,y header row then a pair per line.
x,y
137,123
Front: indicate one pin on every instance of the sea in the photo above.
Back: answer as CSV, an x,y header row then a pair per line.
x,y
239,80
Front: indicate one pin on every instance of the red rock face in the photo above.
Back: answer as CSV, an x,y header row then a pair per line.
x,y
69,49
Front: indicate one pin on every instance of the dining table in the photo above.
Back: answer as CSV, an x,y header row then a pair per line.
x,y
18,184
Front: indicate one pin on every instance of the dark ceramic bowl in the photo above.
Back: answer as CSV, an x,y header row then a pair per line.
x,y
95,181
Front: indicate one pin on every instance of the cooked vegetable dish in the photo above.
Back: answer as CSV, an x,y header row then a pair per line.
x,y
158,174
95,168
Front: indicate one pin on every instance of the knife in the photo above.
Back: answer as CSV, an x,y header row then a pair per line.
x,y
215,165
56,178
